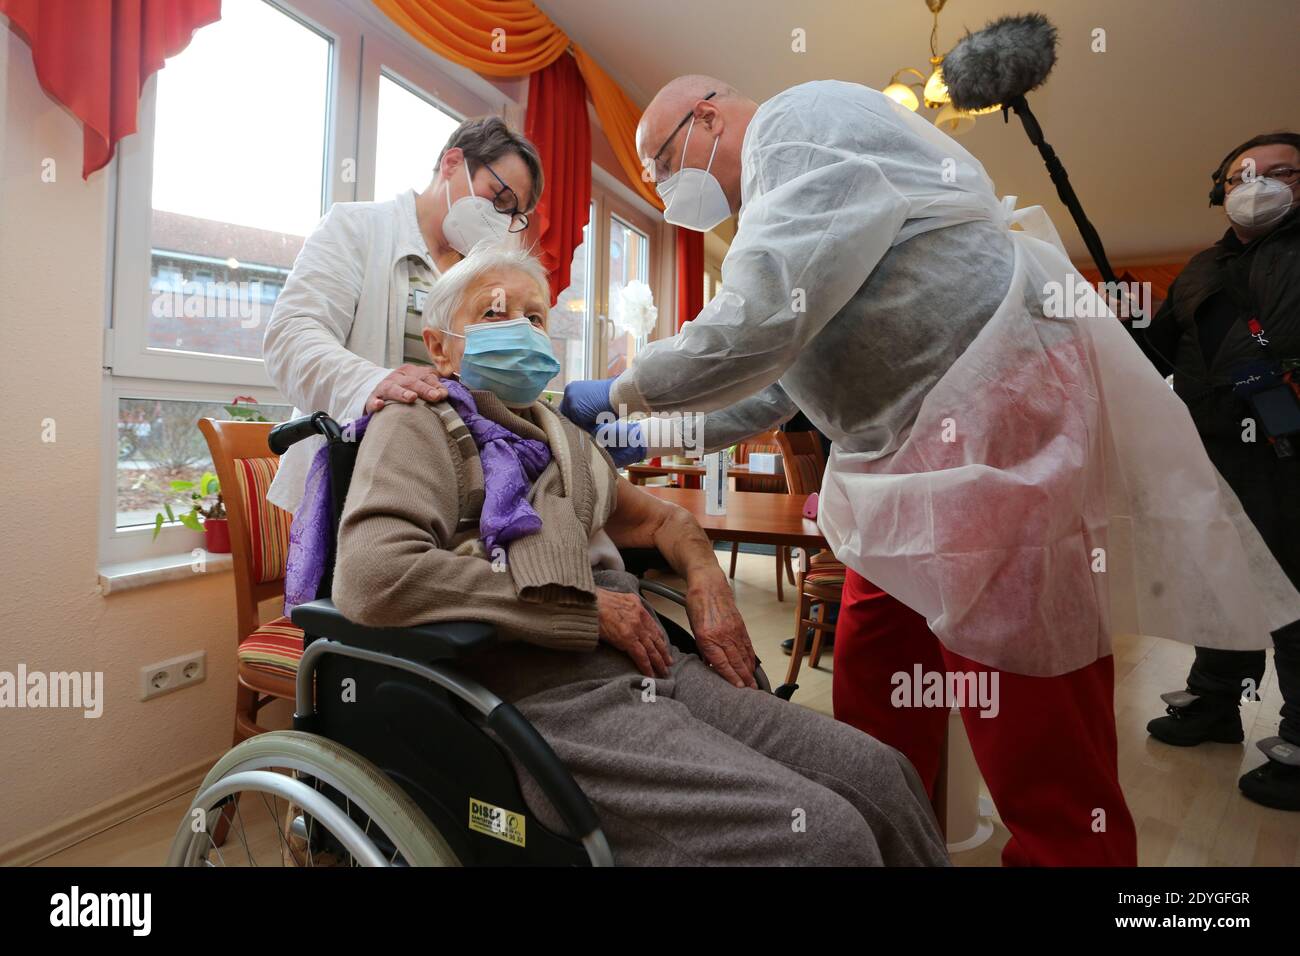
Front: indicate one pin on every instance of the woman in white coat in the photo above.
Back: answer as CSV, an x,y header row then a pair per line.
x,y
344,335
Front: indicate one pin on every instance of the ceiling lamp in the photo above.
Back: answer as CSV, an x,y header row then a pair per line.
x,y
902,92
932,90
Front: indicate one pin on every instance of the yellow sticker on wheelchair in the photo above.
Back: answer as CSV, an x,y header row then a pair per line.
x,y
496,822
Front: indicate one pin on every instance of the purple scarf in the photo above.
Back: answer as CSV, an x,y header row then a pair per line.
x,y
510,466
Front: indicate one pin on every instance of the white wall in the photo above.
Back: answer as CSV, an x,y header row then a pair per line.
x,y
54,262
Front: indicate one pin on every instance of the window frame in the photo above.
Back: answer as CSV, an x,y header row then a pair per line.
x,y
126,352
442,89
612,199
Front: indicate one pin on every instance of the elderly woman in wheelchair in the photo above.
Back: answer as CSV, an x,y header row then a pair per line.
x,y
490,507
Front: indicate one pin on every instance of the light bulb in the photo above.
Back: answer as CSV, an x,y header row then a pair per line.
x,y
902,94
936,90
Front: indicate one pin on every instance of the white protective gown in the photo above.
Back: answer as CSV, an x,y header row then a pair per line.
x,y
1027,482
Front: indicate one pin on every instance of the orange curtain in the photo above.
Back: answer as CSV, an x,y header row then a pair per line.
x,y
94,57
618,117
462,31
515,38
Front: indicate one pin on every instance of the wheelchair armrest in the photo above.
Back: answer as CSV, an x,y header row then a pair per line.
x,y
450,639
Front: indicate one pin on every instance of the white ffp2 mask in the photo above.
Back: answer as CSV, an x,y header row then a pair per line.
x,y
1260,202
472,219
693,197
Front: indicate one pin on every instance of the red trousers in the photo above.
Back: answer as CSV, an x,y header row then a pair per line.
x,y
1049,756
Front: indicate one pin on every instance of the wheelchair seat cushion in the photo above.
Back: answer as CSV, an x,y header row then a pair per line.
x,y
274,648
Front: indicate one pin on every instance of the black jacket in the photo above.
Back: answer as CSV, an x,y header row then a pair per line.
x,y
1200,336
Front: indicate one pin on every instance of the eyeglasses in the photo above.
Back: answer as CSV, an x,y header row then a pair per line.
x,y
1286,175
506,201
676,129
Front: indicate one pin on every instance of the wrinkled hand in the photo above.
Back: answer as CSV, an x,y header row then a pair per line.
x,y
720,633
585,401
623,440
406,383
627,625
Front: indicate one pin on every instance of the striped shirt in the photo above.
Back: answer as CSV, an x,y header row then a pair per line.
x,y
420,280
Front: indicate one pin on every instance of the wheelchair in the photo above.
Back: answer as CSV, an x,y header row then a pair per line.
x,y
390,760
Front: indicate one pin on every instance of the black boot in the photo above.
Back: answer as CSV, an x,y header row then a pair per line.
x,y
1193,720
1276,783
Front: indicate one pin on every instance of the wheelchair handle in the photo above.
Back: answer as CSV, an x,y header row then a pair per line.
x,y
291,432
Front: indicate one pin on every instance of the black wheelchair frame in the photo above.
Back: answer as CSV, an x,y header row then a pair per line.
x,y
409,682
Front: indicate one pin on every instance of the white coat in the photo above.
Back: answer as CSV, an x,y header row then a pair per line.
x,y
337,326
1023,479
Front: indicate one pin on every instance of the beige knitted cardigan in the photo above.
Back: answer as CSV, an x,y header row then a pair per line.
x,y
408,547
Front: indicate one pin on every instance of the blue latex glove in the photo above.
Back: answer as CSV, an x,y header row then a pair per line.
x,y
585,401
623,440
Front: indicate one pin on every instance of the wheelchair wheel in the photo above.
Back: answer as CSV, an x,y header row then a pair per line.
x,y
306,801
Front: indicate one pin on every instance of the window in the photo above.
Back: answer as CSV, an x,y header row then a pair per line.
x,y
246,138
411,134
158,443
223,215
629,259
618,246
712,281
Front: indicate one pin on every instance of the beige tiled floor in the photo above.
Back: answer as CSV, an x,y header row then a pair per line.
x,y
1185,801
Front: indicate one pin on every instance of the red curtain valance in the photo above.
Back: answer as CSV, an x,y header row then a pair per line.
x,y
94,57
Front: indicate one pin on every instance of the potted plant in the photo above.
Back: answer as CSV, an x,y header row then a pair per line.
x,y
244,413
215,528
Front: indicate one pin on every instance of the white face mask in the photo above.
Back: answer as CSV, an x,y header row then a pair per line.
x,y
693,198
1260,202
472,219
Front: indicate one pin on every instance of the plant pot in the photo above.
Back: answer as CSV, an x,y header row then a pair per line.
x,y
216,533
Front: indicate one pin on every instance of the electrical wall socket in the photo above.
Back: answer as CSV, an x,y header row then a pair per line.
x,y
174,674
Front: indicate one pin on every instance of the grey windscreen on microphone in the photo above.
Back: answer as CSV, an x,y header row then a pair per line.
x,y
1008,58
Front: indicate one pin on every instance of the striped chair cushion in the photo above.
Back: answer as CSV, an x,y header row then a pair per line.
x,y
274,648
826,575
268,526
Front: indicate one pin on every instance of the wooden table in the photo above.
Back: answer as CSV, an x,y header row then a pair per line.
x,y
637,474
753,517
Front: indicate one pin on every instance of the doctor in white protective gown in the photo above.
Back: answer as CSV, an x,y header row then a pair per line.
x,y
1009,475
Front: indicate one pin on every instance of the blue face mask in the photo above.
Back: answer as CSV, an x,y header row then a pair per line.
x,y
512,359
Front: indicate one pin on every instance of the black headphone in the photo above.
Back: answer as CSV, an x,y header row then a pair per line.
x,y
1218,192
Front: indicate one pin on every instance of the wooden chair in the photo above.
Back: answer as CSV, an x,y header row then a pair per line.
x,y
821,577
267,654
772,484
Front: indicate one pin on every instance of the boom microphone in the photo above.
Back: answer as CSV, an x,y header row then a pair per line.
x,y
996,67
1006,59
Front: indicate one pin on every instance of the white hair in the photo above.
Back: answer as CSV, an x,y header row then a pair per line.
x,y
448,292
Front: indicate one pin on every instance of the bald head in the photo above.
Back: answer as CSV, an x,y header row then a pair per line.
x,y
721,118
